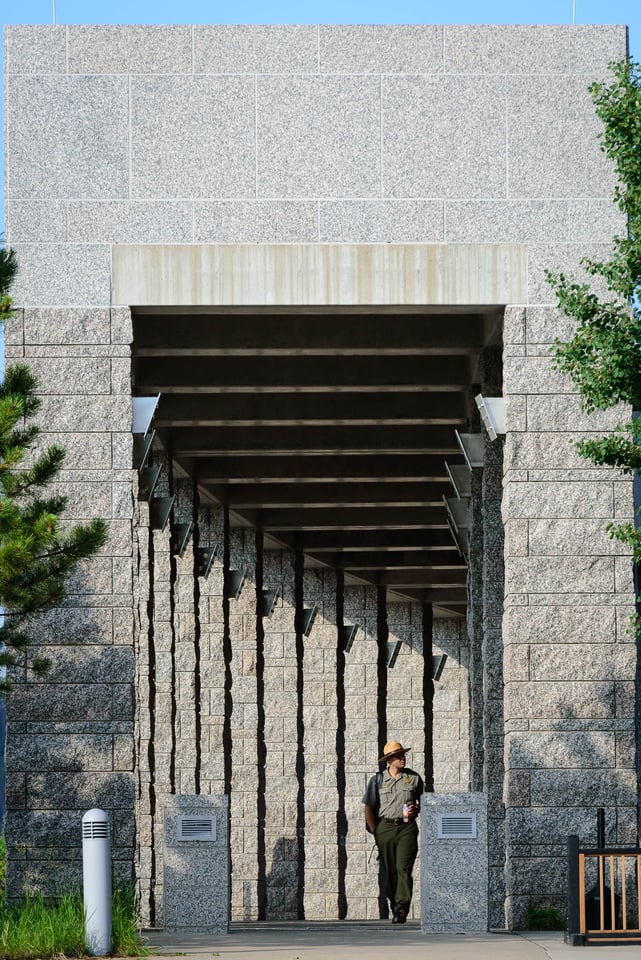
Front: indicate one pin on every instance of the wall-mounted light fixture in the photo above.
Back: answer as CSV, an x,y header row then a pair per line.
x,y
204,559
438,662
393,650
234,580
142,413
309,615
147,482
159,510
180,536
141,447
458,520
492,410
460,479
471,445
268,601
347,634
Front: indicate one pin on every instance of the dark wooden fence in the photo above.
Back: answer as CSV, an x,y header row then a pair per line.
x,y
604,902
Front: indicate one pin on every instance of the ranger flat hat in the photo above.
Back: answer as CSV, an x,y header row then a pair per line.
x,y
391,748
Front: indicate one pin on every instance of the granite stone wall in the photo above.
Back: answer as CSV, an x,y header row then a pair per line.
x,y
70,744
569,657
300,134
161,683
287,724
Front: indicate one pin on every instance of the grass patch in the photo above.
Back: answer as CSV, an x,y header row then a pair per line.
x,y
544,918
33,929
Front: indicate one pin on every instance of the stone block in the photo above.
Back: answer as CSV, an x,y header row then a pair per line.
x,y
35,49
206,151
100,414
592,750
80,124
134,221
121,325
62,702
255,221
88,664
565,624
527,375
506,221
64,752
30,221
564,413
381,221
318,136
58,273
505,49
589,661
72,625
565,258
66,325
594,221
128,49
538,825
593,48
80,791
255,49
380,48
598,788
576,699
564,575
538,164
418,114
558,500
576,537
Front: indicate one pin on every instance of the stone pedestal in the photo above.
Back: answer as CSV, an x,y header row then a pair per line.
x,y
196,871
454,863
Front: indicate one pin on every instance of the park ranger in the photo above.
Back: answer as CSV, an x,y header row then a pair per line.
x,y
392,804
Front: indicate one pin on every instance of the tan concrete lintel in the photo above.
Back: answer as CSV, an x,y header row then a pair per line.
x,y
318,274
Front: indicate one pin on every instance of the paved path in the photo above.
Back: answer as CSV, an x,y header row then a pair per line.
x,y
352,940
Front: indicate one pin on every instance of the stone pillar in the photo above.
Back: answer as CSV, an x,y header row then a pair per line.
x,y
454,841
196,872
70,736
569,659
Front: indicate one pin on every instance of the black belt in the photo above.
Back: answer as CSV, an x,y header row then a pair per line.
x,y
397,821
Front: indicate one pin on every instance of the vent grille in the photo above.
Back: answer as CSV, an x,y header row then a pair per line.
x,y
196,828
96,830
452,826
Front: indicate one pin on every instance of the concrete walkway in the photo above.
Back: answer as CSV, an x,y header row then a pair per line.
x,y
374,940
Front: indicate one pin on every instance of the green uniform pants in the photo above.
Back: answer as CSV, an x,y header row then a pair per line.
x,y
398,847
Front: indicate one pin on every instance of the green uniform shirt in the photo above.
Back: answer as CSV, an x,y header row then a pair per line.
x,y
388,799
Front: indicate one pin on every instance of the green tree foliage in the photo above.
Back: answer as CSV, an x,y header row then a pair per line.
x,y
37,552
604,355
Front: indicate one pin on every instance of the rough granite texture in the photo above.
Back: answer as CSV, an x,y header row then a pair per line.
x,y
314,134
196,873
454,891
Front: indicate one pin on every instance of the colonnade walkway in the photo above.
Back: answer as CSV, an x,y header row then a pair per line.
x,y
372,940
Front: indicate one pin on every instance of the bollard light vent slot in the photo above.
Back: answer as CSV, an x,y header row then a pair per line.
x,y
456,826
196,828
95,830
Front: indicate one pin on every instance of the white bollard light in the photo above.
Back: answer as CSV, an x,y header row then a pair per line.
x,y
96,880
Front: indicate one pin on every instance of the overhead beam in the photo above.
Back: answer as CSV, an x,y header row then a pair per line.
x,y
322,541
211,374
329,494
185,334
274,409
312,440
287,468
349,518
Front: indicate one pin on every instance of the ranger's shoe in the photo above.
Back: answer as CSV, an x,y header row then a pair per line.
x,y
401,915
